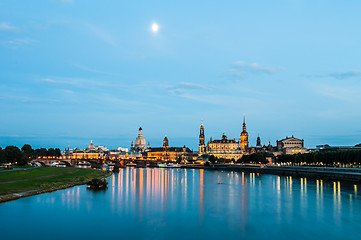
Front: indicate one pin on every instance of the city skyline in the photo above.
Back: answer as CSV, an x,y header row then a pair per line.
x,y
69,77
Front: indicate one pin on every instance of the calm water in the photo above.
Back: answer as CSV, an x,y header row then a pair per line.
x,y
189,204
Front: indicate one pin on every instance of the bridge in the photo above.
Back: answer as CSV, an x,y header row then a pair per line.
x,y
95,163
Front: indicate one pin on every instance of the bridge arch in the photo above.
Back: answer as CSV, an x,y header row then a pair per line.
x,y
66,163
40,162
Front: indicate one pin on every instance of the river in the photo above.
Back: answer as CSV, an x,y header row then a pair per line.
x,y
153,203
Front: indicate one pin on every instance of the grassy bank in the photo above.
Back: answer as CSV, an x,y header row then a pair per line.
x,y
16,184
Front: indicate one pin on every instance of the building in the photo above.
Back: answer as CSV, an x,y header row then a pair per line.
x,y
171,154
91,152
244,136
327,147
289,142
140,144
258,142
202,146
291,145
225,148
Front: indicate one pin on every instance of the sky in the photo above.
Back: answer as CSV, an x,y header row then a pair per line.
x,y
79,70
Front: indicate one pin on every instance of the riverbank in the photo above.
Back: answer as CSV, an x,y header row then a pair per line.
x,y
18,184
327,173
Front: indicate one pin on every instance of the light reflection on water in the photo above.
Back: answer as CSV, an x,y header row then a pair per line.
x,y
152,203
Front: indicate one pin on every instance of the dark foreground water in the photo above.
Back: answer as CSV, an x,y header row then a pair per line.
x,y
189,204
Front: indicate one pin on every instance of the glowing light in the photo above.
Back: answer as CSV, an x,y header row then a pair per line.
x,y
155,27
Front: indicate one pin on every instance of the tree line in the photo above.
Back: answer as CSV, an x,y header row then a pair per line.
x,y
328,158
14,155
258,157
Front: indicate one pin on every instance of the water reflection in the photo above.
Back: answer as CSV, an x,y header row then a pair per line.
x,y
156,203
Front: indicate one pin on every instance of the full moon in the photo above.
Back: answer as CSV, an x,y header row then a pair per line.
x,y
155,27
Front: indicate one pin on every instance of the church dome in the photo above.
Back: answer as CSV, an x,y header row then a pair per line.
x,y
91,145
140,140
140,143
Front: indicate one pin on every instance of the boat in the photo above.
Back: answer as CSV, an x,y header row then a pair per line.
x,y
162,165
169,165
131,165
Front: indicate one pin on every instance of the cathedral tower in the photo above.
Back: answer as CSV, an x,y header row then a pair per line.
x,y
244,136
258,141
201,146
165,143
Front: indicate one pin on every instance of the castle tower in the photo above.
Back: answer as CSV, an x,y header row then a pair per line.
x,y
244,136
202,145
258,141
165,143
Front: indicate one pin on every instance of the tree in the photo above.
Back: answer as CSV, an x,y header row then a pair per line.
x,y
40,152
14,155
3,156
51,152
57,152
28,151
179,159
213,159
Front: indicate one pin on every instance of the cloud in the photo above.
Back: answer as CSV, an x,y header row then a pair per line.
x,y
184,88
89,69
27,99
345,75
6,27
19,42
336,92
337,75
187,85
241,68
82,82
49,80
105,36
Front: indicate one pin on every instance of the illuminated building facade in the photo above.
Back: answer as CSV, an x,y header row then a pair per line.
x,y
202,146
244,136
140,144
291,145
171,154
91,152
224,148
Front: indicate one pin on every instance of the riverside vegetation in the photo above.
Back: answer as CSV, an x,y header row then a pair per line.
x,y
327,158
14,155
21,183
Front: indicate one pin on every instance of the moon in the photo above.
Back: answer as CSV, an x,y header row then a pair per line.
x,y
155,27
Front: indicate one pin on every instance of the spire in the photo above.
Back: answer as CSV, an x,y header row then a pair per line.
x,y
224,136
258,141
165,142
244,135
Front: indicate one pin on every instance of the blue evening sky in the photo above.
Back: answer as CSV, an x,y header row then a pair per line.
x,y
76,70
